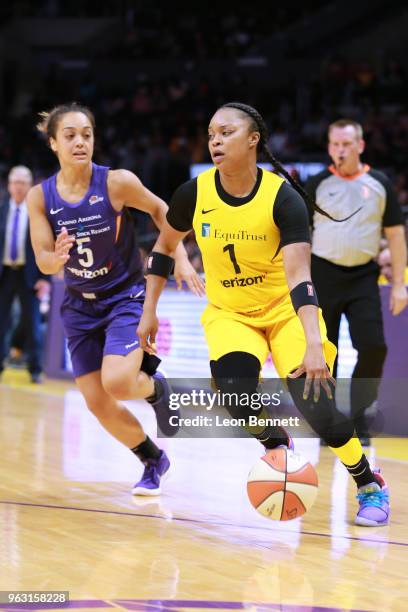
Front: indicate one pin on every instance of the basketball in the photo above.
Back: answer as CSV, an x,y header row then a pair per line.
x,y
282,485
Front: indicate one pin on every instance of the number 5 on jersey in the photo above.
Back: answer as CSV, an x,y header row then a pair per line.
x,y
88,261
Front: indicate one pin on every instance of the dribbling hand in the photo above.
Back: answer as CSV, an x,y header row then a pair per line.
x,y
147,330
317,373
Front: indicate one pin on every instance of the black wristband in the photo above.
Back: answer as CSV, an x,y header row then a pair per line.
x,y
159,264
303,294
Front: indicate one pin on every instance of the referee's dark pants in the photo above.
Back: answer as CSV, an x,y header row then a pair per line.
x,y
354,291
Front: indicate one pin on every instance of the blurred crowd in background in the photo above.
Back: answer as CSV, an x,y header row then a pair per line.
x,y
156,124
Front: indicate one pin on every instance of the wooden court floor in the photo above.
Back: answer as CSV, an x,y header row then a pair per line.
x,y
68,521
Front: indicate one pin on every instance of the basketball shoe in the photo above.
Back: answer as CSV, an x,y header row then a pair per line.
x,y
154,472
374,503
161,407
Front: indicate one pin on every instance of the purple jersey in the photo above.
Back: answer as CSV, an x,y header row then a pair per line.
x,y
105,253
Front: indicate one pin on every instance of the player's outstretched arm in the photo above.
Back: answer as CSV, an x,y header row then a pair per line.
x,y
50,254
296,260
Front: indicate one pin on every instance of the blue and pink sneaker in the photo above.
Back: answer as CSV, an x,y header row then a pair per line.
x,y
155,470
374,503
162,408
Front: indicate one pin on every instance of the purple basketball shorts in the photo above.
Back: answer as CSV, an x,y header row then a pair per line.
x,y
95,328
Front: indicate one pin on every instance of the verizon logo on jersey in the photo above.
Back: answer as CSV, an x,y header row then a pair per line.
x,y
243,282
88,273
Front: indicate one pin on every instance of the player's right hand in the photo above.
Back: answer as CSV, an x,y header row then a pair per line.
x,y
317,373
63,245
147,330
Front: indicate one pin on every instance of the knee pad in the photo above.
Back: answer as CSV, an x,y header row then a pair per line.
x,y
149,364
237,364
235,374
238,373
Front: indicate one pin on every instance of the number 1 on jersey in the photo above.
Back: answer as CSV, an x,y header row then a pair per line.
x,y
231,250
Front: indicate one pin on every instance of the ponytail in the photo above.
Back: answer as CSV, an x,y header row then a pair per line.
x,y
259,125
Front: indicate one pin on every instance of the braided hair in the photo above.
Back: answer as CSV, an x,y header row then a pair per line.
x,y
259,125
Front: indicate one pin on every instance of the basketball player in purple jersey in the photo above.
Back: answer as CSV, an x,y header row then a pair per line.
x,y
79,221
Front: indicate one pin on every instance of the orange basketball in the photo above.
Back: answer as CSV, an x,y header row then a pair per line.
x,y
282,485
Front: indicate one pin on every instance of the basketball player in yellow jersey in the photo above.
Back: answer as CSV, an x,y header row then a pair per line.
x,y
252,229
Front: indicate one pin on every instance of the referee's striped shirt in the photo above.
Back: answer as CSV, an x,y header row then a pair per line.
x,y
357,240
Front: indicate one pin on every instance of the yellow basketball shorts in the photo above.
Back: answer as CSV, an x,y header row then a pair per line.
x,y
284,338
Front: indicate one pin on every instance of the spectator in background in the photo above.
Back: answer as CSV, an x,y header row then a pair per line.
x,y
343,258
19,274
385,263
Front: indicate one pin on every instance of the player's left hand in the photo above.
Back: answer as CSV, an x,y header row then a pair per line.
x,y
147,331
317,373
42,288
184,271
398,299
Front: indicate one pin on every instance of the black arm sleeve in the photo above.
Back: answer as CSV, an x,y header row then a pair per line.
x,y
182,206
392,213
291,216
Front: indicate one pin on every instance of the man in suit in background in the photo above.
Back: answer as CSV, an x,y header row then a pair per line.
x,y
19,274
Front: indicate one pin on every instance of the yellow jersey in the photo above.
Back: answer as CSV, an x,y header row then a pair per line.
x,y
240,247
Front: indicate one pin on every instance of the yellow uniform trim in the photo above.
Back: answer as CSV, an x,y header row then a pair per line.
x,y
350,453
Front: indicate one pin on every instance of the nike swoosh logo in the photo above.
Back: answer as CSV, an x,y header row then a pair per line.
x,y
132,344
333,193
204,212
57,210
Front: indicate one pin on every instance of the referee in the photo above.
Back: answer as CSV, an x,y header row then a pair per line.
x,y
344,269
